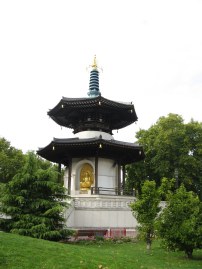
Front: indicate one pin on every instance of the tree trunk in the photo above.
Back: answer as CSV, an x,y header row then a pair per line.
x,y
148,246
148,241
189,253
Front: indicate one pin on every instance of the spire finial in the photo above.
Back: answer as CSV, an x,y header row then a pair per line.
x,y
94,65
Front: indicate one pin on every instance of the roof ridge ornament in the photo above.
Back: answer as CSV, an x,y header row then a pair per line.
x,y
94,65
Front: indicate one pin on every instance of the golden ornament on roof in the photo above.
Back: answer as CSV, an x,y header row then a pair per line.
x,y
94,65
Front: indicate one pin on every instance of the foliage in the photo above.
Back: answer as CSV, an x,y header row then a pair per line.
x,y
34,202
166,188
44,254
145,210
11,160
47,165
135,177
173,149
180,223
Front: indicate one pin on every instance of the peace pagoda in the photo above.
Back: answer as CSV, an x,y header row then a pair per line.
x,y
94,161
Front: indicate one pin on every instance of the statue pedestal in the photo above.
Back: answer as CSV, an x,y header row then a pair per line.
x,y
83,192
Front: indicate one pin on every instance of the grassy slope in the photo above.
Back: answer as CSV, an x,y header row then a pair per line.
x,y
24,252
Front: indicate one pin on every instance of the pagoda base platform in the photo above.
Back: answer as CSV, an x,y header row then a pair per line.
x,y
109,213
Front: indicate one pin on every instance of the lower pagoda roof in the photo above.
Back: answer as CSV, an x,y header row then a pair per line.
x,y
63,150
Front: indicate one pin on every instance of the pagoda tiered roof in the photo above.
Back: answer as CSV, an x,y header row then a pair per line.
x,y
92,113
63,150
96,113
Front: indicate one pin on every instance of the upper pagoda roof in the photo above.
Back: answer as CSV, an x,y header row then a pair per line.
x,y
73,112
63,150
93,112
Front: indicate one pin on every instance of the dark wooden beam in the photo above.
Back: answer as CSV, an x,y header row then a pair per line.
x,y
124,175
96,174
119,179
69,176
59,172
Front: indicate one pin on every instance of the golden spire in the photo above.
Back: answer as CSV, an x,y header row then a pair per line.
x,y
94,65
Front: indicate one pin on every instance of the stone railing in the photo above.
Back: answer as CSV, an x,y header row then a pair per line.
x,y
104,203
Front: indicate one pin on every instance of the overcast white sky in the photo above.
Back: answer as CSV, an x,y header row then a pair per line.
x,y
150,51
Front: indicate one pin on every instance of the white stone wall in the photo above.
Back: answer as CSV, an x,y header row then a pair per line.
x,y
107,173
101,212
92,134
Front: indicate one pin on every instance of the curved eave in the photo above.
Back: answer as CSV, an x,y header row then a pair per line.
x,y
68,110
63,150
82,102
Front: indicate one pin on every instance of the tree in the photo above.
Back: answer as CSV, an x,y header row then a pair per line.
x,y
11,160
135,176
172,149
180,223
191,168
146,209
46,165
34,203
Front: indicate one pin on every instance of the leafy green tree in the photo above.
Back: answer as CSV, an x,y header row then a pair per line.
x,y
146,209
34,203
166,188
190,164
45,165
180,223
11,160
173,149
135,177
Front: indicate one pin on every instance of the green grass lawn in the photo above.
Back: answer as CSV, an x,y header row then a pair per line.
x,y
27,253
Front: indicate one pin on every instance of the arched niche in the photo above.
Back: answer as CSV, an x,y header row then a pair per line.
x,y
82,169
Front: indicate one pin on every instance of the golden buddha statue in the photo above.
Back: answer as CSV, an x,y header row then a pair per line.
x,y
86,177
